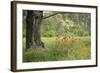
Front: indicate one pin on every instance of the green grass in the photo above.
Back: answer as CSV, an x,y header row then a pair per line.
x,y
55,50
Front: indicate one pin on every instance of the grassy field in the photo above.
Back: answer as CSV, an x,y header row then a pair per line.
x,y
57,50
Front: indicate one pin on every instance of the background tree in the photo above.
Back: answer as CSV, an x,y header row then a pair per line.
x,y
37,24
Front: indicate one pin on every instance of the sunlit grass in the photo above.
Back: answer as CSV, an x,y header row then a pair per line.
x,y
55,50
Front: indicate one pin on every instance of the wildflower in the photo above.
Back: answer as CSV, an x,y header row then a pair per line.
x,y
72,38
64,38
78,38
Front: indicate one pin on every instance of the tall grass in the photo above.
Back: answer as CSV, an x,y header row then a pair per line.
x,y
56,50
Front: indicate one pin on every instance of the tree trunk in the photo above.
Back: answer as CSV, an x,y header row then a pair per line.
x,y
33,37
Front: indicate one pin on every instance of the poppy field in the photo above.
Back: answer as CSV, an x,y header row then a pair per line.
x,y
76,48
59,36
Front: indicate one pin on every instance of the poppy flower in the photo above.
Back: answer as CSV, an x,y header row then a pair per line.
x,y
78,38
64,37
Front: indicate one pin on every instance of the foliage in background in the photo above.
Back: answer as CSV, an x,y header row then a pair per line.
x,y
70,24
63,24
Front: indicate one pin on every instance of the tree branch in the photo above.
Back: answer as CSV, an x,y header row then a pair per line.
x,y
50,15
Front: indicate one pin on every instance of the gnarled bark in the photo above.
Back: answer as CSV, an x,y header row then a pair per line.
x,y
33,37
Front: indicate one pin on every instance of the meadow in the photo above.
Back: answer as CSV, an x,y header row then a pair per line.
x,y
57,36
57,49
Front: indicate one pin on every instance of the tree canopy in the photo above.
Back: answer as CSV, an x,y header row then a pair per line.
x,y
66,23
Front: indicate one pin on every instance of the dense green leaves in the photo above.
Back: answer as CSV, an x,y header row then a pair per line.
x,y
64,23
75,24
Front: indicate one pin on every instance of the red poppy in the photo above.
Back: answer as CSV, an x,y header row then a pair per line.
x,y
78,38
64,37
